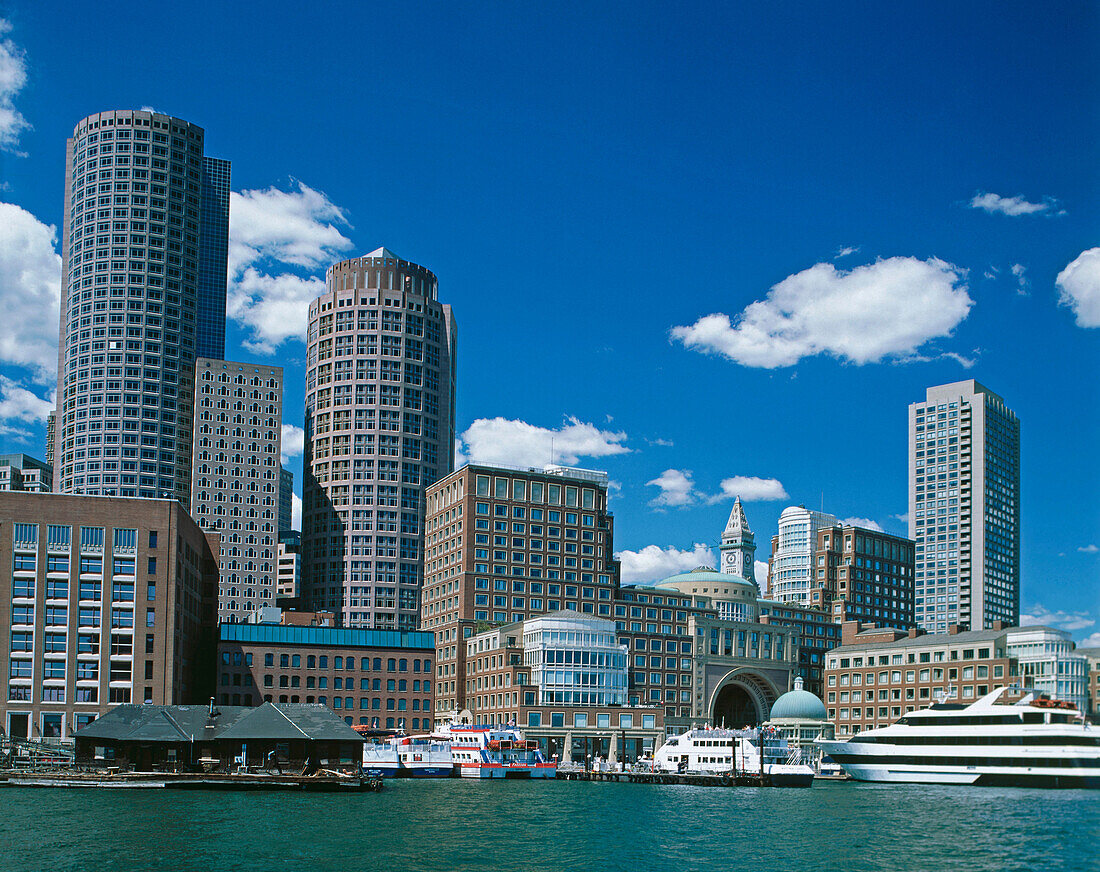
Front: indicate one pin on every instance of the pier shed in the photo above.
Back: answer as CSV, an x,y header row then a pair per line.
x,y
218,738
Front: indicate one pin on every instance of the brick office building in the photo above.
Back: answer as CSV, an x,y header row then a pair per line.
x,y
382,679
103,601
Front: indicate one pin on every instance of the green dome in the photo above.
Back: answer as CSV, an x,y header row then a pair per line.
x,y
798,704
704,575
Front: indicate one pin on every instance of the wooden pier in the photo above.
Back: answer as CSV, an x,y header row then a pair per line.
x,y
320,783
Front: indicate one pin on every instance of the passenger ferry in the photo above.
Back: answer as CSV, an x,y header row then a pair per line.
x,y
380,758
732,752
1035,742
497,752
421,756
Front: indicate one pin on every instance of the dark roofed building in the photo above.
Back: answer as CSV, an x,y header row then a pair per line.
x,y
155,736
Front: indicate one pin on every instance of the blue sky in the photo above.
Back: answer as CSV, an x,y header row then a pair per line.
x,y
904,196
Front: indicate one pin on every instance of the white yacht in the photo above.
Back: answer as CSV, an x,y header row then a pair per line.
x,y
483,751
732,752
1034,742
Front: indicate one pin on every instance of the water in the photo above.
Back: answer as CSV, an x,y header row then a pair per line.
x,y
555,826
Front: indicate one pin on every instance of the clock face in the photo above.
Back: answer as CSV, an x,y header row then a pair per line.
x,y
730,558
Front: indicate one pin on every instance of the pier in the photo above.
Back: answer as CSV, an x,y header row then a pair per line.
x,y
318,783
632,777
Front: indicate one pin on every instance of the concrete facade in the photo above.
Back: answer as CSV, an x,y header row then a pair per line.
x,y
379,422
21,472
790,570
235,486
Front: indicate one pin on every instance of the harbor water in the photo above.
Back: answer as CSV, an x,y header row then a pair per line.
x,y
553,825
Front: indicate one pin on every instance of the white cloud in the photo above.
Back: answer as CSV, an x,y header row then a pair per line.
x,y
1090,641
292,442
653,562
866,523
846,250
517,443
904,517
20,406
1079,287
30,288
751,489
1014,206
460,455
760,570
677,488
270,230
886,309
13,76
1089,549
1062,620
295,512
660,443
1023,284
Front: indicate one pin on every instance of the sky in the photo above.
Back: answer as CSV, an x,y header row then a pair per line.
x,y
713,249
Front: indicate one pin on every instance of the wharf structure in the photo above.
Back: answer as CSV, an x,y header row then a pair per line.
x,y
109,600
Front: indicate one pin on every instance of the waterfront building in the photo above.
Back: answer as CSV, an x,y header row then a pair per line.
x,y
815,634
863,575
286,500
733,597
1048,663
877,675
379,422
288,582
737,552
503,545
143,265
21,472
381,679
148,736
237,431
108,600
1092,658
964,507
800,717
790,567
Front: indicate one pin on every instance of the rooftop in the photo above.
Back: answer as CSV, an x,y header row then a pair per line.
x,y
325,637
923,641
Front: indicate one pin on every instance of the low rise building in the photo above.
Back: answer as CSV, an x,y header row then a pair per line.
x,y
106,601
382,679
1092,658
21,472
801,718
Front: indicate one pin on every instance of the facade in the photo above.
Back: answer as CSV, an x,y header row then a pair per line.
x,y
878,675
286,499
103,601
502,545
964,507
379,422
815,634
737,553
21,472
288,582
378,678
1048,663
800,717
237,430
51,440
790,568
863,575
1092,658
213,259
135,242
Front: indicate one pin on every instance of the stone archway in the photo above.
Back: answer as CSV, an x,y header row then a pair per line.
x,y
741,698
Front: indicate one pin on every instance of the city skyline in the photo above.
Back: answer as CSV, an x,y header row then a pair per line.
x,y
573,348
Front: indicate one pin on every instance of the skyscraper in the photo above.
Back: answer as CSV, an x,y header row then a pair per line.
x,y
790,573
964,507
286,499
379,422
145,235
235,491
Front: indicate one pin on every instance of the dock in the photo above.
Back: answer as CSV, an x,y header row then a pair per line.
x,y
323,783
638,777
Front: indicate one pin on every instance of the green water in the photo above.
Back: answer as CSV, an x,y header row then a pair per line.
x,y
558,826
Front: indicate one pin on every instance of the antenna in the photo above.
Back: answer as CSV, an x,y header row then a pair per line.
x,y
551,450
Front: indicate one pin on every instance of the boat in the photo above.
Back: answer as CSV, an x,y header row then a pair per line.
x,y
380,757
482,751
723,752
424,756
1034,742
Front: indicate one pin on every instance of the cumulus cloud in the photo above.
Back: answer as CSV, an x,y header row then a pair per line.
x,y
904,517
269,231
653,562
1060,619
751,489
1023,284
517,443
1090,641
292,442
295,512
30,289
1014,206
887,309
866,523
846,250
1089,549
460,454
20,406
760,570
676,486
1079,287
13,76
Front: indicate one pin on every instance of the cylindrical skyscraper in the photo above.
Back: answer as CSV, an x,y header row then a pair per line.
x,y
143,286
380,389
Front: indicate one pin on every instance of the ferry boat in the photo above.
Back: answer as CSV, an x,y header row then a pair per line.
x,y
424,756
481,751
1034,742
732,752
380,758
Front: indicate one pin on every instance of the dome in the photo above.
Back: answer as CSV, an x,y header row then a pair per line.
x,y
704,575
798,704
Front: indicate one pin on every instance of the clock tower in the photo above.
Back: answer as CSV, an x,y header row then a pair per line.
x,y
737,553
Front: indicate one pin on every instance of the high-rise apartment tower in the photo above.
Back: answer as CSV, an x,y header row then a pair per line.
x,y
964,507
143,267
379,422
790,570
